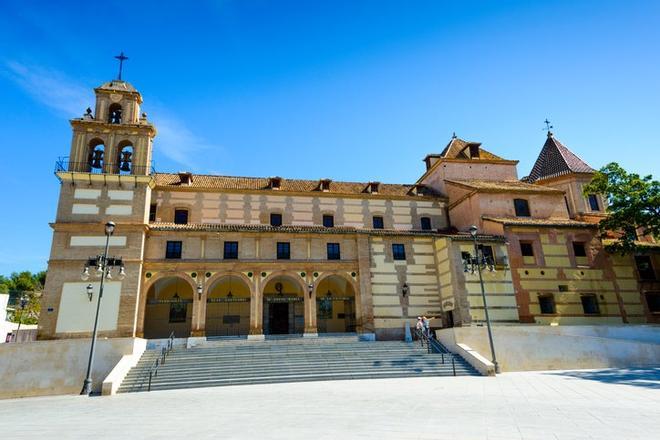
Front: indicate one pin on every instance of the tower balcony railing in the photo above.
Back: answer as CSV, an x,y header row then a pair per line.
x,y
63,164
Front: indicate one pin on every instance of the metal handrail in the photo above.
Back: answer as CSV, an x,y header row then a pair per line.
x,y
435,346
160,360
63,164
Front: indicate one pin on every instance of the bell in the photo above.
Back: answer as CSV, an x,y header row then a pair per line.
x,y
97,159
126,161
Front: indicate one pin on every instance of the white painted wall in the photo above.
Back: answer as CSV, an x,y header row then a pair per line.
x,y
95,241
58,367
530,348
76,312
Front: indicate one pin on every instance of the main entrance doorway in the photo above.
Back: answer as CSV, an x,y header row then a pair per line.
x,y
278,317
284,307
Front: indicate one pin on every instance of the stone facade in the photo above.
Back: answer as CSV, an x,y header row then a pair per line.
x,y
232,256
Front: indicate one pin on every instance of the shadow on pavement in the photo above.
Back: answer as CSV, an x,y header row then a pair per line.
x,y
648,377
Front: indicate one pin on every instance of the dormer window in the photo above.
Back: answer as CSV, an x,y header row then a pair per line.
x,y
275,182
593,202
185,177
474,151
418,189
373,187
521,207
324,185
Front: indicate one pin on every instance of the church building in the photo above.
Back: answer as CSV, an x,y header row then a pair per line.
x,y
219,256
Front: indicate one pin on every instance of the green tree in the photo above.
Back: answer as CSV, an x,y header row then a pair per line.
x,y
633,205
26,284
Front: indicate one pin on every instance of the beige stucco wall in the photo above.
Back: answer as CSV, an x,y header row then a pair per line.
x,y
241,208
528,348
58,367
468,169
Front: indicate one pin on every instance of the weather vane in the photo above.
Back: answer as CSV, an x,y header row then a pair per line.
x,y
547,125
121,57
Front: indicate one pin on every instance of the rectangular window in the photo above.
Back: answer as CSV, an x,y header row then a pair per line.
x,y
173,249
593,202
526,249
522,207
398,251
579,249
378,222
152,212
487,253
328,221
333,251
283,251
181,216
590,304
547,304
426,223
231,250
653,302
644,267
275,219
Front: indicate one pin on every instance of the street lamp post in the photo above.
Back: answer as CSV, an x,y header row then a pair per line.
x,y
22,303
491,264
103,264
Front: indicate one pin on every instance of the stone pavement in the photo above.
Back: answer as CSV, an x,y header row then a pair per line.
x,y
583,404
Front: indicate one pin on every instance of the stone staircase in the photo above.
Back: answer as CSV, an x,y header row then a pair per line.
x,y
242,362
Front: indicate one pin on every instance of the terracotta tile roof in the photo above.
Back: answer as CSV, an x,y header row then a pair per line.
x,y
503,186
227,227
560,222
457,148
556,159
203,181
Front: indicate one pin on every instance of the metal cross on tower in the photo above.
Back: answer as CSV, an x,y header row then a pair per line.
x,y
121,57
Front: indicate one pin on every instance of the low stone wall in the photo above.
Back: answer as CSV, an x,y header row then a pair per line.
x,y
529,348
58,367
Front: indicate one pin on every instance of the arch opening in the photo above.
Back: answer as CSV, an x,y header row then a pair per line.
x,y
284,306
228,307
168,309
114,114
95,155
335,305
124,162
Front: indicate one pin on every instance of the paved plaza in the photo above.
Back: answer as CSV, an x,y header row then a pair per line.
x,y
585,404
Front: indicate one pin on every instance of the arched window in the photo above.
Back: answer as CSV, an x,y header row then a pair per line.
x,y
124,162
96,155
114,114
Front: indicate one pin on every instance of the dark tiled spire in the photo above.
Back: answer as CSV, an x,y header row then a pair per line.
x,y
555,160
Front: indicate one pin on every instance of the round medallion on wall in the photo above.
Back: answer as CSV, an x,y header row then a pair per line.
x,y
208,274
194,274
316,274
148,275
249,274
353,274
302,274
115,97
263,274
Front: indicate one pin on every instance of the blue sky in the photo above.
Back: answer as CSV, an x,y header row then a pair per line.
x,y
351,90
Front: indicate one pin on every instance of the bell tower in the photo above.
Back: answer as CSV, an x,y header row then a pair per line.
x,y
106,177
116,138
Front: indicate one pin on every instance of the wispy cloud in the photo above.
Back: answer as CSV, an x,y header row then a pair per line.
x,y
71,97
51,88
177,142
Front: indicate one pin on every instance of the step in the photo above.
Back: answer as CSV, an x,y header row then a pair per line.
x,y
287,379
